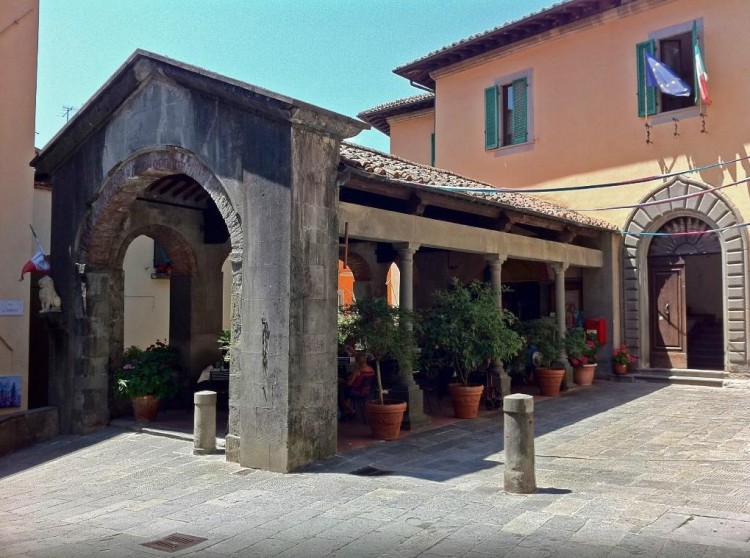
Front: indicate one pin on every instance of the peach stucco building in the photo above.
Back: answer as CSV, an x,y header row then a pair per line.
x,y
19,22
556,100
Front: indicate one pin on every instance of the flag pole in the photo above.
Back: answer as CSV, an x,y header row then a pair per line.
x,y
36,239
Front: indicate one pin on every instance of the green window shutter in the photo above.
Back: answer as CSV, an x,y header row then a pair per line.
x,y
490,118
646,94
520,111
432,149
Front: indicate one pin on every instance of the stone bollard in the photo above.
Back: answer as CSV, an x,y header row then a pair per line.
x,y
204,422
518,430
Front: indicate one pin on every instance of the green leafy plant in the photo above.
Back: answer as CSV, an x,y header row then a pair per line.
x,y
543,334
580,346
152,371
224,340
382,331
623,356
467,324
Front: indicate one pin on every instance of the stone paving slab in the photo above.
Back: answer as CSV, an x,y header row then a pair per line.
x,y
623,469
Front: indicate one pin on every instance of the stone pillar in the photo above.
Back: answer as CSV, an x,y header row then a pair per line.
x,y
496,262
518,435
410,391
560,269
204,422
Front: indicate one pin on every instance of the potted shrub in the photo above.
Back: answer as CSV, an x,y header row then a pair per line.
x,y
381,331
224,341
622,359
470,328
146,377
545,337
581,349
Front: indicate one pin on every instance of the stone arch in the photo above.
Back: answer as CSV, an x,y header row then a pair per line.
x,y
130,178
359,267
99,253
184,263
719,213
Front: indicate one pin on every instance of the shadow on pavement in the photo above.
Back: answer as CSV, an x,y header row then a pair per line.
x,y
468,446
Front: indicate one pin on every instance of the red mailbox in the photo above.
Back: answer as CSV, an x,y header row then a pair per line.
x,y
599,327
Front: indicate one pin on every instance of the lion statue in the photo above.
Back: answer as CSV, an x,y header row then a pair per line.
x,y
47,296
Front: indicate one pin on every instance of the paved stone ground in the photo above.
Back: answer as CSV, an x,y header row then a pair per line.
x,y
623,470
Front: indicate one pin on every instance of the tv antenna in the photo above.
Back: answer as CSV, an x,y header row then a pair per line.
x,y
67,110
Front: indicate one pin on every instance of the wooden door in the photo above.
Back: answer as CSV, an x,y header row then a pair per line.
x,y
668,315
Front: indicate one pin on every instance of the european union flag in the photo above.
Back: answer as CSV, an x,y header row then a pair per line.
x,y
658,74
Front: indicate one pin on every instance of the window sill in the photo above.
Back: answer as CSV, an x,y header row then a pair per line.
x,y
512,149
679,114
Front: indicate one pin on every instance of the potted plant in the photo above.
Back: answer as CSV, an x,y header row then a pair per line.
x,y
224,340
470,328
146,377
545,337
381,331
622,359
581,349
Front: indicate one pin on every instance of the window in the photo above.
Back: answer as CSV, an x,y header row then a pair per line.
x,y
506,114
675,48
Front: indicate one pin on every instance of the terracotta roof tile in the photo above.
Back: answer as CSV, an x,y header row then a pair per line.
x,y
397,169
552,17
377,116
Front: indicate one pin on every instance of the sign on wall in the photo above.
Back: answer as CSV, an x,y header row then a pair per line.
x,y
11,307
10,391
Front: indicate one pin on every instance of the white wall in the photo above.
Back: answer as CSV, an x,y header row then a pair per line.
x,y
146,299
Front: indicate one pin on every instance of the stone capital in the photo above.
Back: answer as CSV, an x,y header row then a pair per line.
x,y
560,267
406,249
496,259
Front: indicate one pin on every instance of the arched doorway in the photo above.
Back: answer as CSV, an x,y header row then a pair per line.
x,y
685,198
686,305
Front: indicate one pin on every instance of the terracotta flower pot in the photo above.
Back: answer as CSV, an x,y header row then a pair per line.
x,y
550,380
385,420
584,375
619,368
145,408
466,400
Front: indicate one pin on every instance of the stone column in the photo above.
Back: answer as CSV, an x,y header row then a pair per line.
x,y
496,262
518,442
410,391
560,269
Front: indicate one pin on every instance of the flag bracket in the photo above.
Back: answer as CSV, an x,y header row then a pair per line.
x,y
675,133
703,123
648,133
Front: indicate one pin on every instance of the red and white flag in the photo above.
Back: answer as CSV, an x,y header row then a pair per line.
x,y
38,261
701,77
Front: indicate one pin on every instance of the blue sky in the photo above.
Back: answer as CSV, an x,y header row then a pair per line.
x,y
338,54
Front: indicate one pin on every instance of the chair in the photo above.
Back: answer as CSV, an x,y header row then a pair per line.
x,y
364,394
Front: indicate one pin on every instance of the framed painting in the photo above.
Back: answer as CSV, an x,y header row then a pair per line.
x,y
10,391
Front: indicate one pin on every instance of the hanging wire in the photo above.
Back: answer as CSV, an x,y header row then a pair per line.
x,y
688,233
588,186
665,200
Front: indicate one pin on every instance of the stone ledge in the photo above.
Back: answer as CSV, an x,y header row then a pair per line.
x,y
19,430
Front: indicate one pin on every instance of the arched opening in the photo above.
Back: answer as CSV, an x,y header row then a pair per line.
x,y
146,293
155,223
393,285
689,199
686,299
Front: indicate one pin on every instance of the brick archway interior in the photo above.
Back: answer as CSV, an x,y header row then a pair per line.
x,y
180,252
130,179
718,213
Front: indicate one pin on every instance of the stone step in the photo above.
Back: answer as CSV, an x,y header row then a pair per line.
x,y
707,378
684,372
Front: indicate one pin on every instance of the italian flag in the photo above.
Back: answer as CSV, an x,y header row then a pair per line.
x,y
701,77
